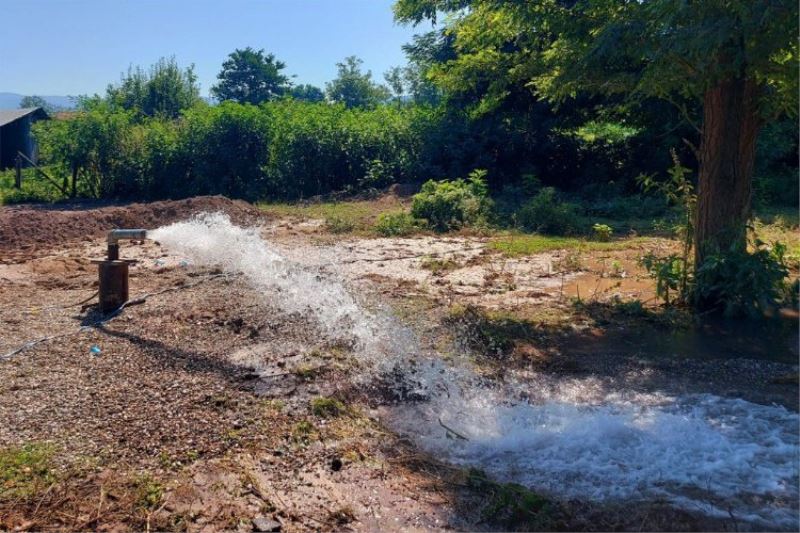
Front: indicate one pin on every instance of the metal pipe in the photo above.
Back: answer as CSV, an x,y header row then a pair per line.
x,y
113,272
116,235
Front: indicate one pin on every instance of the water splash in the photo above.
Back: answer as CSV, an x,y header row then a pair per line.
x,y
569,438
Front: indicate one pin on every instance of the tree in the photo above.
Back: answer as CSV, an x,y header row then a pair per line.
x,y
734,61
396,82
164,90
307,93
251,76
354,88
37,101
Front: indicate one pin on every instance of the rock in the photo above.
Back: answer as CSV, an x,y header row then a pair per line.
x,y
262,523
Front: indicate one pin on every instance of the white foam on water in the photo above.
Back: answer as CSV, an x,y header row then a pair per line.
x,y
569,438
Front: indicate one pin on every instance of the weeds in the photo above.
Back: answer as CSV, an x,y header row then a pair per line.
x,y
339,224
25,470
304,432
489,333
327,407
439,265
149,492
399,224
510,504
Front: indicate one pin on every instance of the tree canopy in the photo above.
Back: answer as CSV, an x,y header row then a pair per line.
x,y
669,49
36,101
307,93
251,76
355,88
163,90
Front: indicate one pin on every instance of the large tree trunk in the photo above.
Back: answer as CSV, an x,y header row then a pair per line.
x,y
727,154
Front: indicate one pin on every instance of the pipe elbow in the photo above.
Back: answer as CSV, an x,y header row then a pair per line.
x,y
116,235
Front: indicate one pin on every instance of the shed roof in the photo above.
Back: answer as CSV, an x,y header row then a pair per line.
x,y
10,115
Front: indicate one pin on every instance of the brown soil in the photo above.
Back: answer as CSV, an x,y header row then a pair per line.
x,y
34,230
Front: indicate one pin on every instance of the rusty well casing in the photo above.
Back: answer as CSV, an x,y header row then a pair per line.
x,y
113,289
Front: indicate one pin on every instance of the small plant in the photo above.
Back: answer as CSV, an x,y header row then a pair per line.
x,y
678,190
545,213
742,283
602,232
303,432
338,224
327,407
396,224
617,270
670,275
306,371
149,491
448,205
25,470
438,265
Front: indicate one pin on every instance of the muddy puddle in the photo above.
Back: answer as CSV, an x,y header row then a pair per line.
x,y
775,340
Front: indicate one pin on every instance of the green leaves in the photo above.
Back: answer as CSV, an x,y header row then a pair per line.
x,y
354,88
669,49
452,204
251,76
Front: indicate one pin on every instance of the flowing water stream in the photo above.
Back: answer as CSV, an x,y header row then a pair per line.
x,y
569,438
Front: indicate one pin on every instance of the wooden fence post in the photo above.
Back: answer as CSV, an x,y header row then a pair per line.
x,y
18,175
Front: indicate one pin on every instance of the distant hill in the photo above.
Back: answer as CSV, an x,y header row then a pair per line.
x,y
12,100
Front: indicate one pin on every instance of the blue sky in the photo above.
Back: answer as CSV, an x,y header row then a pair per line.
x,y
60,47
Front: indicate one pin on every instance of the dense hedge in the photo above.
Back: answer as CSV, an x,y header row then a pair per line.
x,y
291,149
282,149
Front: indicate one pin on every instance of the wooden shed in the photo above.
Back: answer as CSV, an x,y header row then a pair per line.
x,y
15,134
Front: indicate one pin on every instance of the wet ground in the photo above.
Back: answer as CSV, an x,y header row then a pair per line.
x,y
207,391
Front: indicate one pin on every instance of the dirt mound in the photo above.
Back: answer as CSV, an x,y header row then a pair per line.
x,y
32,231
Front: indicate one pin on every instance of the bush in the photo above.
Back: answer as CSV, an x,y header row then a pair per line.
x,y
339,224
602,232
743,283
284,149
396,224
627,207
452,204
545,213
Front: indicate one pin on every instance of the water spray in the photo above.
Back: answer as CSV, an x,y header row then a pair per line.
x,y
113,271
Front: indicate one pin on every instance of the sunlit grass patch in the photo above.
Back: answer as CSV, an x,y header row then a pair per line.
x,y
339,217
34,188
518,244
25,470
780,225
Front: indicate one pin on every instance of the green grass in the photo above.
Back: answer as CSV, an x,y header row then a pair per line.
x,y
34,188
780,225
327,407
519,244
25,470
339,217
